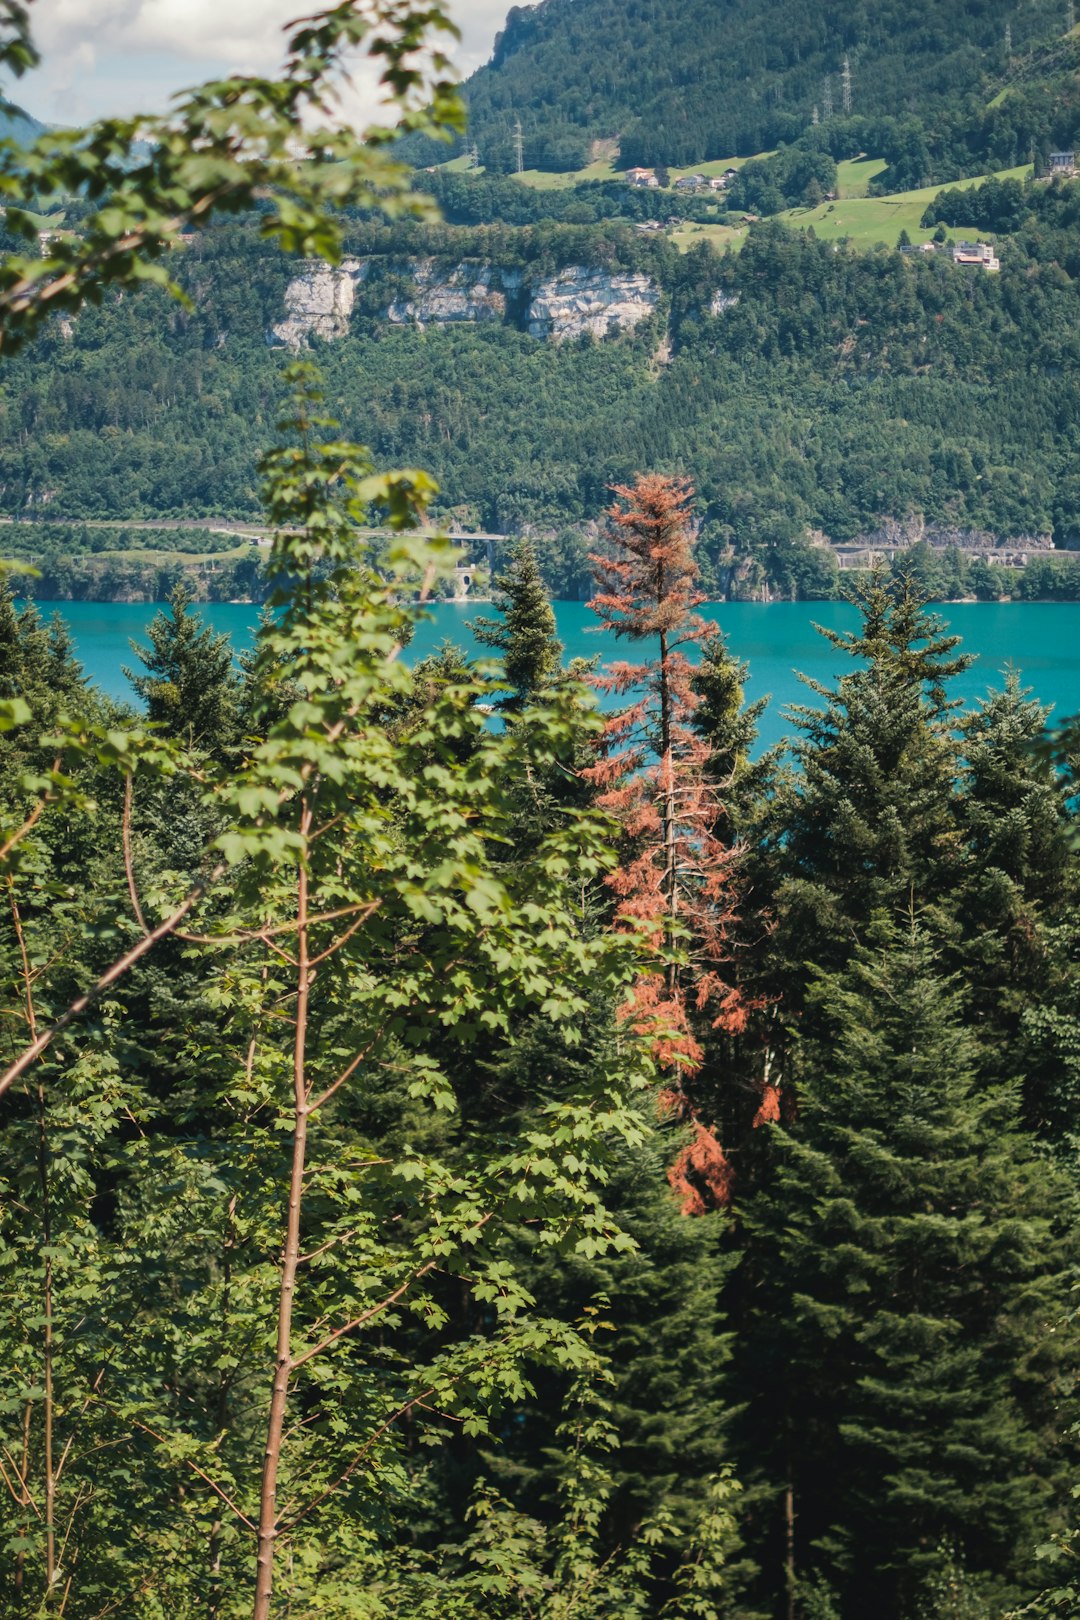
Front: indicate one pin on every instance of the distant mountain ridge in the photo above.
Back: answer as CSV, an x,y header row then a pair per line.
x,y
16,125
681,81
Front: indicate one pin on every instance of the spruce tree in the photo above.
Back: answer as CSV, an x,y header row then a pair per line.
x,y
907,1278
870,818
740,1065
667,1343
1018,884
37,663
729,725
525,634
190,686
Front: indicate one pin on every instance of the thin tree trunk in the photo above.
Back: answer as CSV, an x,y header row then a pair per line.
x,y
789,1549
50,1408
216,1592
264,1568
667,767
46,1243
20,1561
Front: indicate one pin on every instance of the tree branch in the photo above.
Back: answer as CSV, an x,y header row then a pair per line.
x,y
358,1321
32,819
109,977
190,1462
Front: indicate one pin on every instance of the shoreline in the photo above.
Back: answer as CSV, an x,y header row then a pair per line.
x,y
574,601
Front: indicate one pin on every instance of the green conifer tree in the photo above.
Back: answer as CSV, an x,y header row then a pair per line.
x,y
871,817
909,1279
525,635
37,664
730,726
1018,887
190,686
667,1344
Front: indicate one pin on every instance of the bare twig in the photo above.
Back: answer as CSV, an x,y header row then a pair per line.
x,y
346,1074
365,1316
368,912
375,1436
109,977
246,936
190,1462
31,821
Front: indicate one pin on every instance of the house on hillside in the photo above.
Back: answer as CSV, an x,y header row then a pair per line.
x,y
690,182
1062,163
720,182
641,177
980,253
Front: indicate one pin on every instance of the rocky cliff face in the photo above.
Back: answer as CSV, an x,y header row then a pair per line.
x,y
320,301
578,301
572,303
467,292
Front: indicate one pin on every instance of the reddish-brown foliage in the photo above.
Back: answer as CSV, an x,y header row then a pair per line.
x,y
769,1111
676,883
701,1175
677,880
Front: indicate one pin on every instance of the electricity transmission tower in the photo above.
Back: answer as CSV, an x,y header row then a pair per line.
x,y
519,147
845,87
814,118
1008,39
826,100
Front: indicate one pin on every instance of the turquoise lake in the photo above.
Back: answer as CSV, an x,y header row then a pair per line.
x,y
778,640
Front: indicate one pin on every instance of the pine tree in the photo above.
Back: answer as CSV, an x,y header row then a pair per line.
x,y
190,686
908,1278
741,1072
677,880
37,664
525,635
871,817
667,1345
729,725
1017,891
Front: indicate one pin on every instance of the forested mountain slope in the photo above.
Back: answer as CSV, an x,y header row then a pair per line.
x,y
823,393
678,81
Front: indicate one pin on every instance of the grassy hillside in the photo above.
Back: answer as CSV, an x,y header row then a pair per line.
x,y
866,221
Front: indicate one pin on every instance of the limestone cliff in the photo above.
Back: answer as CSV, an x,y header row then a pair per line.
x,y
465,292
577,301
320,300
571,303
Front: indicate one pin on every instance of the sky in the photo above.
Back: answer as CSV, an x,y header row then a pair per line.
x,y
129,56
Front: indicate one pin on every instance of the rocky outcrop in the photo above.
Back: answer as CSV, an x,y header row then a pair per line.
x,y
321,301
572,303
466,292
578,301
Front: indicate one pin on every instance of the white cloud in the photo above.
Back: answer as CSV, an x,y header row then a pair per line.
x,y
125,56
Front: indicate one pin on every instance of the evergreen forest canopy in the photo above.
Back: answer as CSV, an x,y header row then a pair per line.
x,y
565,1167
678,84
834,393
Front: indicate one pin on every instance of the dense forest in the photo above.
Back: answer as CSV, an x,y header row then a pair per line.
x,y
472,1152
721,1108
833,392
677,84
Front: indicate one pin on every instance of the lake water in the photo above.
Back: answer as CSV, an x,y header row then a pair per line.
x,y
778,640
